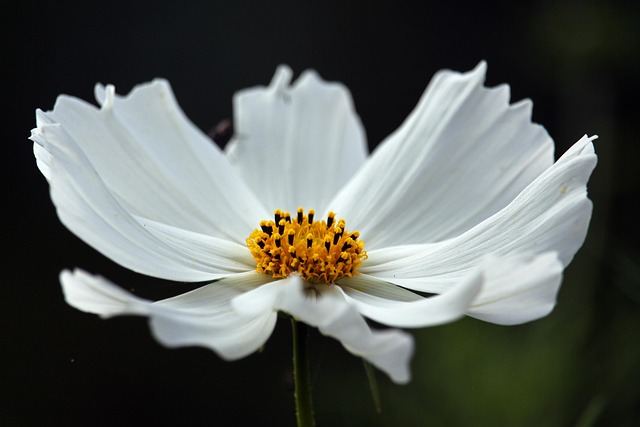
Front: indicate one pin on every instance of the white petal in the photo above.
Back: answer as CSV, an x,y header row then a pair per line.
x,y
204,252
518,289
296,145
325,307
93,294
551,215
378,300
202,317
86,207
43,158
462,155
155,162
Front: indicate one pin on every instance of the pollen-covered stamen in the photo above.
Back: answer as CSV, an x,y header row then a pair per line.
x,y
330,218
266,227
319,251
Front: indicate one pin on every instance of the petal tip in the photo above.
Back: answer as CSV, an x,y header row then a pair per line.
x,y
281,78
481,67
108,98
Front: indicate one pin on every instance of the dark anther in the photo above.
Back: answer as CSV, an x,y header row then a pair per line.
x,y
277,239
281,227
287,218
290,239
310,218
261,244
329,221
309,242
328,245
346,246
267,229
354,236
278,217
300,213
336,237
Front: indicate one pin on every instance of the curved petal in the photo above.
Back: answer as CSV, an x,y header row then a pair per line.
x,y
87,208
551,215
202,317
462,155
377,300
504,290
296,145
325,307
155,162
518,289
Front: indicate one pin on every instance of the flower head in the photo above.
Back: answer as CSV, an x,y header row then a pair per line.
x,y
463,202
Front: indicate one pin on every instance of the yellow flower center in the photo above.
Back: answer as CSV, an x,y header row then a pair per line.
x,y
319,251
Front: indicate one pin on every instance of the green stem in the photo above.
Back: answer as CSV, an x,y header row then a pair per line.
x,y
304,405
373,385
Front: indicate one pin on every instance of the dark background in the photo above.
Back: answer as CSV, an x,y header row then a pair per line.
x,y
578,61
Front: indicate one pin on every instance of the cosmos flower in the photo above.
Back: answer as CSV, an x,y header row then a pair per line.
x,y
461,211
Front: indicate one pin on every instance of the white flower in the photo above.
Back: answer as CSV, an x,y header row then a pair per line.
x,y
464,201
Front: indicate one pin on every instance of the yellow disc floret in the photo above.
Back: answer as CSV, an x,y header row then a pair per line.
x,y
319,251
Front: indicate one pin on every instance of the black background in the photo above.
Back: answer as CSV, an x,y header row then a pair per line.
x,y
578,61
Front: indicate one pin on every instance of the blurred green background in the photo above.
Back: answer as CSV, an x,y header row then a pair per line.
x,y
578,61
